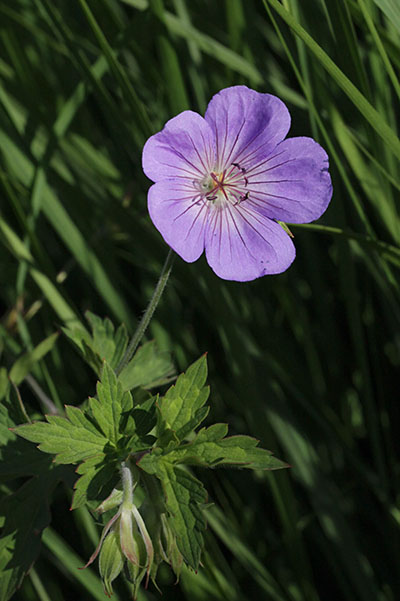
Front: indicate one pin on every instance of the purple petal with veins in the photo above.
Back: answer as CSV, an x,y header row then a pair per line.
x,y
223,181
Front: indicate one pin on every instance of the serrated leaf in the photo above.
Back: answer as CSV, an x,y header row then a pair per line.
x,y
210,449
108,343
71,441
102,335
185,494
183,400
103,344
77,417
148,367
121,341
144,416
184,497
111,402
199,416
77,335
26,362
91,357
96,481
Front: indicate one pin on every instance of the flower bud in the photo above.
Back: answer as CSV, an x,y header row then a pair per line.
x,y
129,543
112,501
170,548
111,561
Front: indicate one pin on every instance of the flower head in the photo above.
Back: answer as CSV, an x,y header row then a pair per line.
x,y
223,181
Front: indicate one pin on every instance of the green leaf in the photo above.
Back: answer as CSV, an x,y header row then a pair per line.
x,y
17,456
86,579
137,106
72,237
139,4
109,344
15,244
144,416
103,336
391,8
111,561
214,48
104,343
95,483
26,362
71,439
182,402
49,290
23,516
149,367
199,416
184,496
210,448
111,402
355,96
25,513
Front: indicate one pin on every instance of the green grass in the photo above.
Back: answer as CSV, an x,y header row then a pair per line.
x,y
306,361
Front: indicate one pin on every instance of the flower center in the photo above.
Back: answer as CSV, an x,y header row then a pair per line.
x,y
222,187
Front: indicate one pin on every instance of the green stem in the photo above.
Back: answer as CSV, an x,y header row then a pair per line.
x,y
144,322
127,485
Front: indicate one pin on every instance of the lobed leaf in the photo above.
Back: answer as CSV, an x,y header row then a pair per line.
x,y
71,439
148,367
211,449
182,401
184,495
104,342
96,473
111,402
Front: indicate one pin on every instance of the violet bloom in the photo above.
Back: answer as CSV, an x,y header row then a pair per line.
x,y
223,181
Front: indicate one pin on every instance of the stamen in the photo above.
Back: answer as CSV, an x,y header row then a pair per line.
x,y
241,198
226,186
237,165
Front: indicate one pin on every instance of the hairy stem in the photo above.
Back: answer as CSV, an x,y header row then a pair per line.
x,y
144,322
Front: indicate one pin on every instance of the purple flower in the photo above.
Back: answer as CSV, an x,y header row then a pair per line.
x,y
223,181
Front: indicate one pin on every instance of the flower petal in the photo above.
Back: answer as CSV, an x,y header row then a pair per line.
x,y
246,124
243,245
293,184
179,216
184,148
